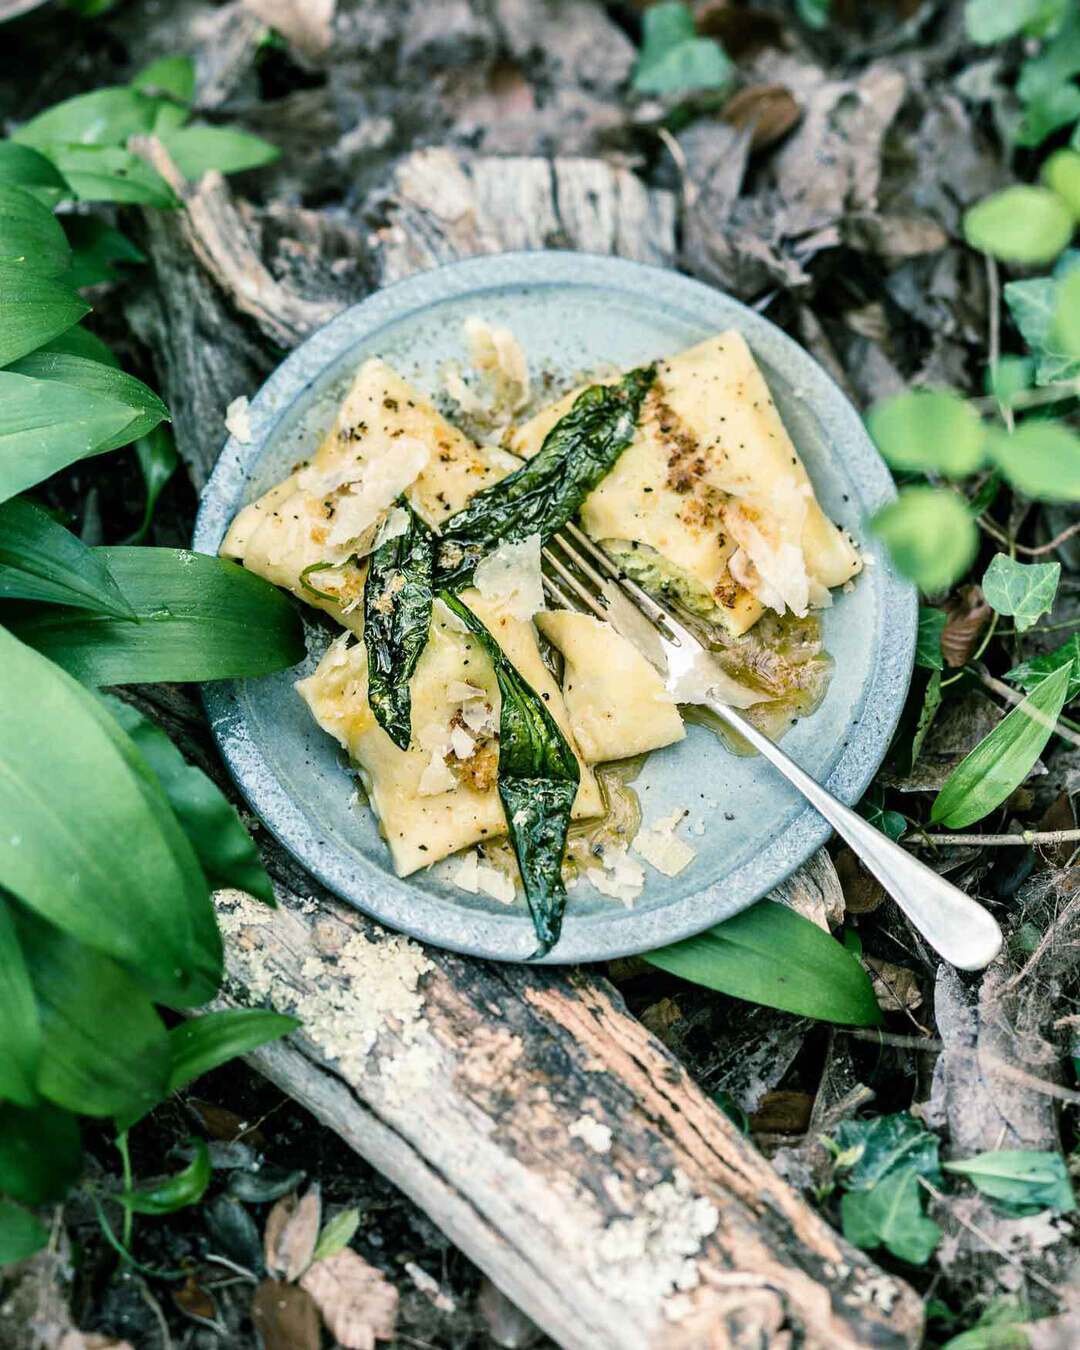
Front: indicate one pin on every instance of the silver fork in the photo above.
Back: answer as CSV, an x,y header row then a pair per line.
x,y
576,576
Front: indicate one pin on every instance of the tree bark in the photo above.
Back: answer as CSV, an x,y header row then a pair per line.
x,y
556,1141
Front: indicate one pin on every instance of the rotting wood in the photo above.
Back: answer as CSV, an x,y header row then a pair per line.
x,y
552,1137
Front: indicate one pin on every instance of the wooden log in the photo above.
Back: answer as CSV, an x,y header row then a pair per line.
x,y
558,1143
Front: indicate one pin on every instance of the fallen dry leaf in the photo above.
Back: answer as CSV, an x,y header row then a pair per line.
x,y
863,893
769,111
782,1112
194,1300
895,988
741,32
507,1325
968,616
358,1303
660,1017
292,1230
285,1317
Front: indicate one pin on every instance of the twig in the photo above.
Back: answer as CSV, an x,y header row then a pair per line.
x,y
1025,838
1032,398
894,1039
993,302
989,527
1029,1080
687,187
984,1237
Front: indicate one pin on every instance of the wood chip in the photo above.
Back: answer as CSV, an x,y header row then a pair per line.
x,y
285,1317
769,111
358,1303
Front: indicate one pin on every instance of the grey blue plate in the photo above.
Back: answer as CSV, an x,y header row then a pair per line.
x,y
571,312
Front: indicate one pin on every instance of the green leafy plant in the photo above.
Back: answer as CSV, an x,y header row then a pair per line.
x,y
673,58
1022,1181
771,955
112,840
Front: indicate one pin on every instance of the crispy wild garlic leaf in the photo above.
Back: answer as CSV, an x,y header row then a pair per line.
x,y
538,781
397,616
541,496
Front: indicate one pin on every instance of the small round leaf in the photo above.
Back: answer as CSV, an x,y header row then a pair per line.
x,y
1021,224
930,534
1061,174
929,430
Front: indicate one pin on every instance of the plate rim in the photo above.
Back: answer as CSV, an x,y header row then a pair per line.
x,y
622,932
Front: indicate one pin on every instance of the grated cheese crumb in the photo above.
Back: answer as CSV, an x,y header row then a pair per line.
x,y
238,420
661,847
620,876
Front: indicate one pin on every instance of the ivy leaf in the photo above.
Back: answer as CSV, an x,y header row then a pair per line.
x,y
1040,458
773,956
930,534
1035,307
198,148
187,1187
932,700
929,430
891,1216
990,21
226,852
1030,673
1020,224
198,618
1001,761
1025,591
1023,1180
33,309
673,59
872,808
928,651
40,560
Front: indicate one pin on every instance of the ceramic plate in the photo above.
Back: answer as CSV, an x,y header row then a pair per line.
x,y
571,313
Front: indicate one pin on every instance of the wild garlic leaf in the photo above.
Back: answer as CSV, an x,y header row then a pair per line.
x,y
203,1043
171,76
95,249
45,426
928,651
106,116
1032,672
1024,1180
397,618
1040,458
158,461
187,1187
195,149
33,309
40,1153
111,173
538,780
1020,224
31,239
930,534
20,1026
1001,761
541,496
21,1234
928,430
198,618
1024,591
40,560
770,955
22,166
146,904
226,852
673,59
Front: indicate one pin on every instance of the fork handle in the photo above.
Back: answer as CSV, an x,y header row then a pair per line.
x,y
956,926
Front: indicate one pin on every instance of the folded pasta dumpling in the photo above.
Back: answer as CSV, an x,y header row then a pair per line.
x,y
441,794
710,499
310,532
616,701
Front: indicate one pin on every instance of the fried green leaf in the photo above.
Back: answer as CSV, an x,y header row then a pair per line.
x,y
1002,760
397,616
538,781
773,956
541,496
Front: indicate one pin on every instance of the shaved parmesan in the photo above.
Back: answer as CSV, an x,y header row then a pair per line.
x,y
462,744
438,777
383,480
445,617
238,420
395,525
510,578
495,352
479,716
457,691
621,877
661,847
477,878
